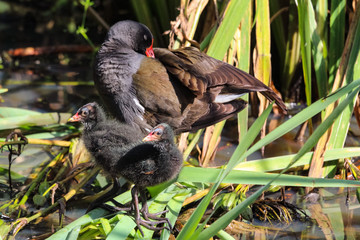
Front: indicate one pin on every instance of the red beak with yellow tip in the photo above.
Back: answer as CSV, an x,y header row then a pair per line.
x,y
75,118
148,138
151,137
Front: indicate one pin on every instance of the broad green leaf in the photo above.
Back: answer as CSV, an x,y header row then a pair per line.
x,y
87,218
105,225
209,175
33,119
6,112
122,229
14,175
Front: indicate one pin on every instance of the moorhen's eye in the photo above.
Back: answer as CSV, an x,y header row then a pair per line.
x,y
145,37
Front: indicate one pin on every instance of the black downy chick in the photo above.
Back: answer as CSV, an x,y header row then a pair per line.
x,y
153,162
106,140
117,148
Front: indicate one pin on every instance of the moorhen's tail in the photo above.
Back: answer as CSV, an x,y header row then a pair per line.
x,y
242,82
207,77
217,113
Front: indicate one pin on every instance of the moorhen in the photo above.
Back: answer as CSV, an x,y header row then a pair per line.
x,y
118,149
185,88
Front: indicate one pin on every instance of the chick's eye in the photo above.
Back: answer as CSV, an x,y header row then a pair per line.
x,y
158,132
145,37
84,113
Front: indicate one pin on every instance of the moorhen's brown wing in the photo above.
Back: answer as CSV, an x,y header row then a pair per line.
x,y
166,99
207,77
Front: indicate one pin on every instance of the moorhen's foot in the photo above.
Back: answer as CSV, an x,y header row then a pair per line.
x,y
146,222
117,208
15,134
81,167
145,211
121,207
154,216
109,196
112,209
150,225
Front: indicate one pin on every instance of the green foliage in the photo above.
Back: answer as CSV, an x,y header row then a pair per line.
x,y
305,34
81,29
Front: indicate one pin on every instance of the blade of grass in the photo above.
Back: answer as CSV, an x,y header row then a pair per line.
x,y
209,175
263,63
305,46
292,55
341,126
279,163
318,55
326,124
174,205
226,30
192,144
262,66
304,115
224,220
192,223
317,170
322,13
243,38
337,37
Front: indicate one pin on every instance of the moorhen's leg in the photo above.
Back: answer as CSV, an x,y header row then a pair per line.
x,y
141,222
13,151
145,212
100,202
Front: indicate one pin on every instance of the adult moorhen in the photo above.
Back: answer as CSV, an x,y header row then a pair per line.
x,y
118,149
185,88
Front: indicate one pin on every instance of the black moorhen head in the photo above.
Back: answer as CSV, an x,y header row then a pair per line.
x,y
118,149
185,88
